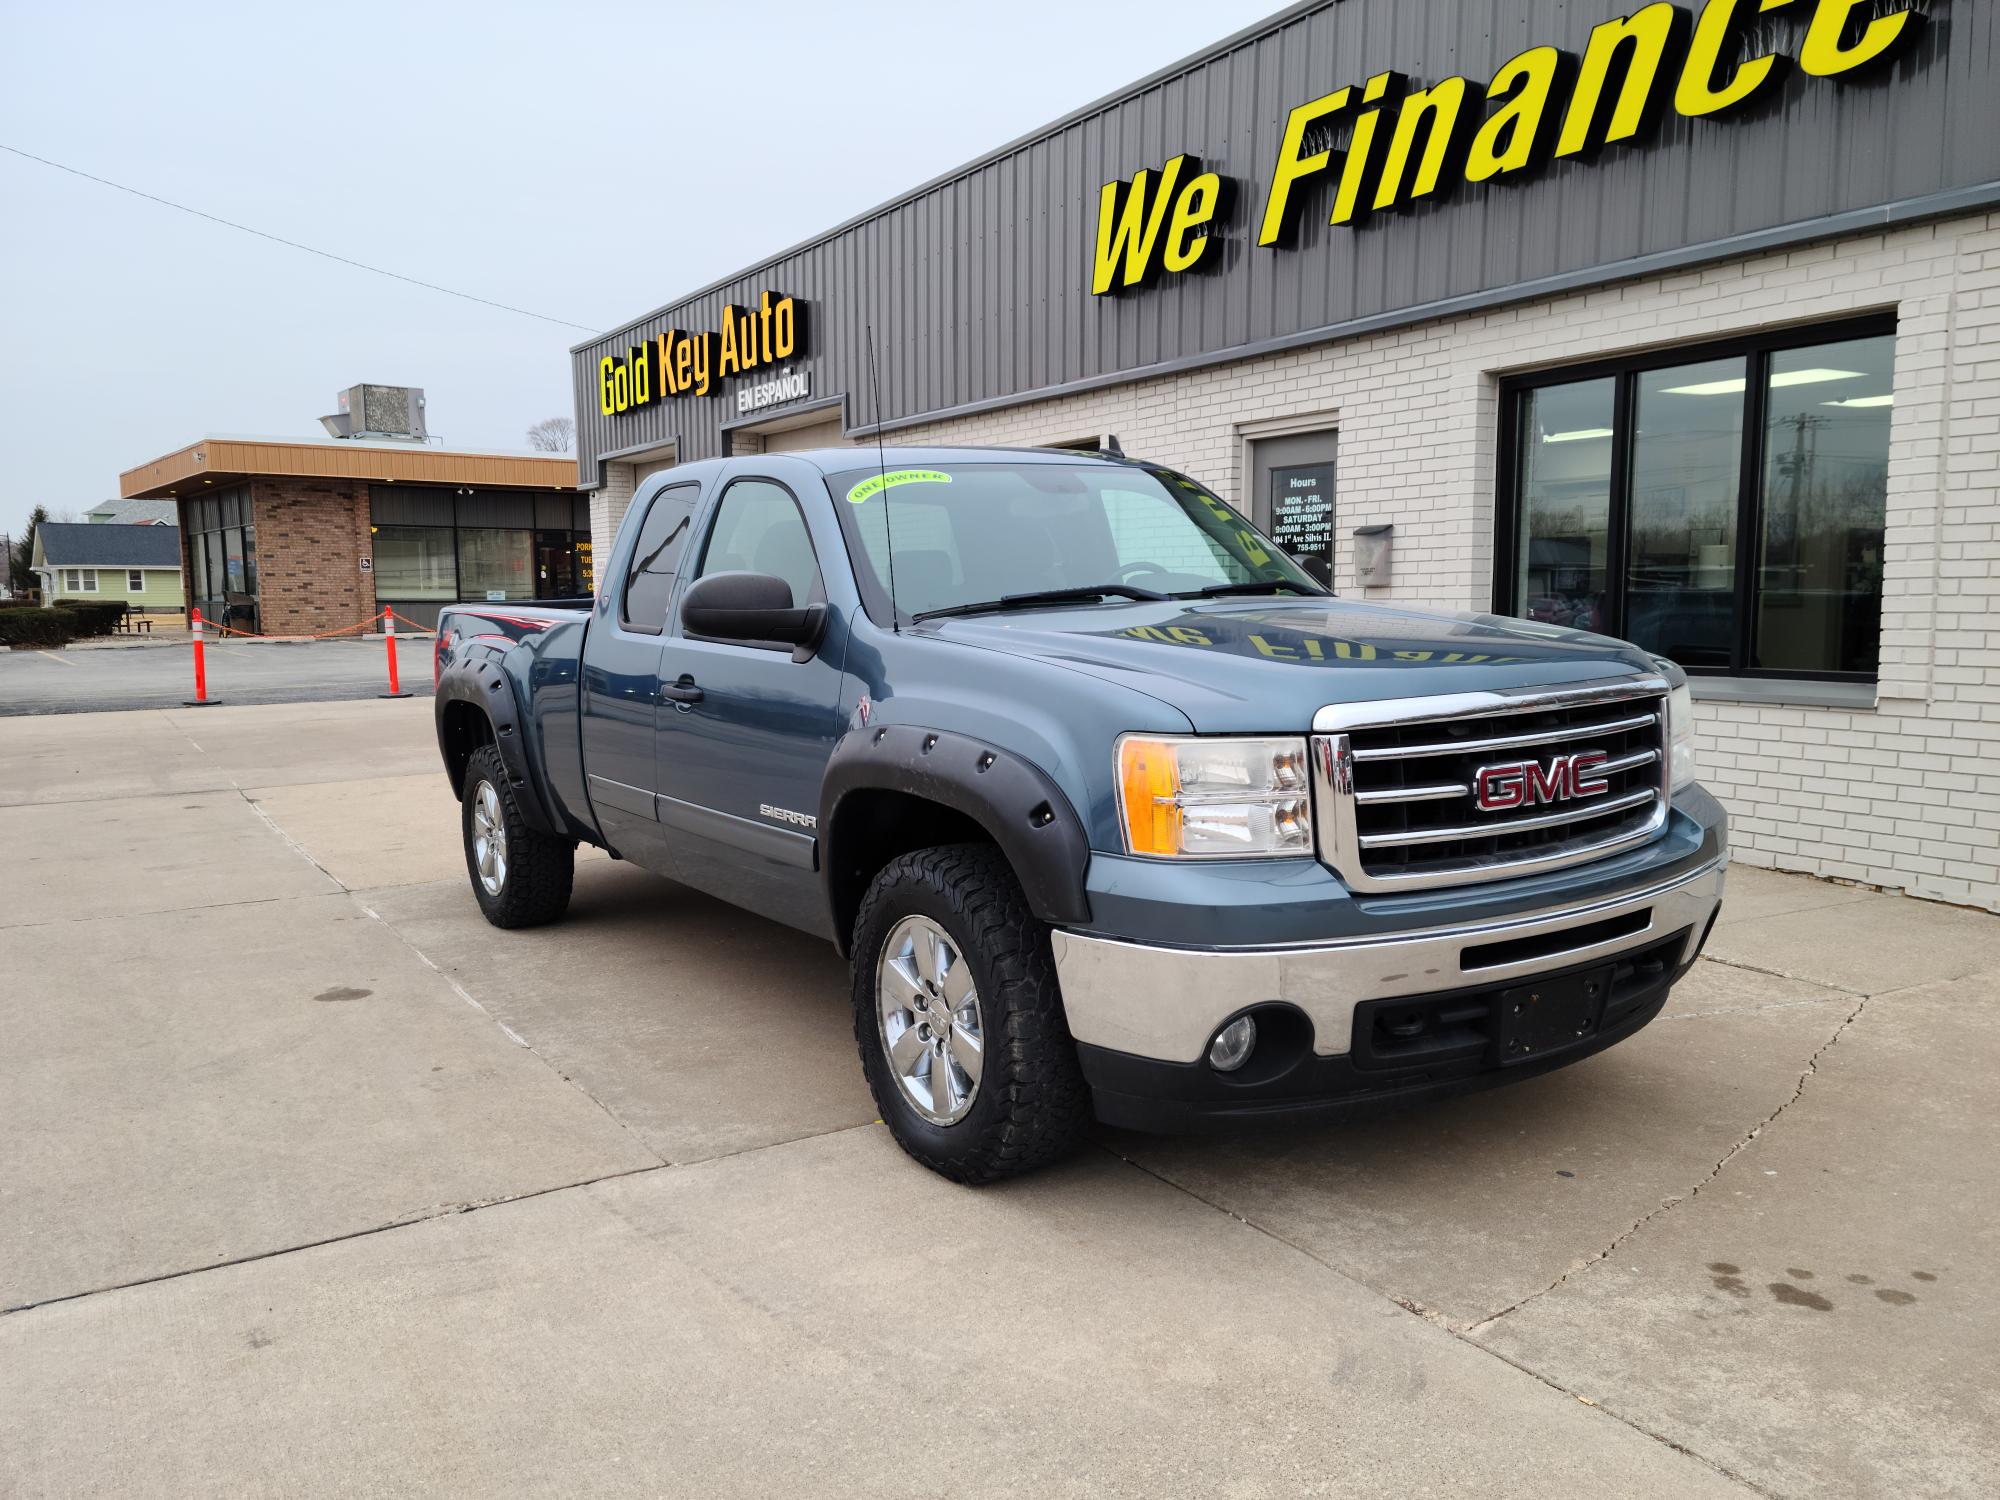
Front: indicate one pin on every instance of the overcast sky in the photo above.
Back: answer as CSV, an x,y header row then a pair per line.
x,y
588,161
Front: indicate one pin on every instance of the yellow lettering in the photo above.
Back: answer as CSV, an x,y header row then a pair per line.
x,y
1434,110
604,403
1295,163
1825,53
1187,635
1275,652
1354,171
1647,38
731,361
642,384
1129,217
784,328
1508,141
1349,651
1697,94
701,350
1195,207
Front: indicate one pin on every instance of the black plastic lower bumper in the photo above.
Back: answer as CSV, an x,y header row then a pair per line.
x,y
1402,1050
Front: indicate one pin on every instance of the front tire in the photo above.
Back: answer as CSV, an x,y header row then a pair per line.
x,y
959,1020
520,877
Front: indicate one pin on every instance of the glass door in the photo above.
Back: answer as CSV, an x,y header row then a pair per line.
x,y
555,567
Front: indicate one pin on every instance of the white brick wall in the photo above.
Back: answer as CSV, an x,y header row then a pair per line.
x,y
1906,795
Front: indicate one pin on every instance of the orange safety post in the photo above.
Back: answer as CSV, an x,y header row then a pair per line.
x,y
389,636
200,698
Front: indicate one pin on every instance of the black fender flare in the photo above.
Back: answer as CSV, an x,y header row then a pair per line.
x,y
1014,800
482,682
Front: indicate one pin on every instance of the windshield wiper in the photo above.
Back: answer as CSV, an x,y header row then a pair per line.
x,y
1045,596
1259,586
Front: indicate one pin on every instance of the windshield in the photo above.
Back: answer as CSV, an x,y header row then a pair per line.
x,y
968,534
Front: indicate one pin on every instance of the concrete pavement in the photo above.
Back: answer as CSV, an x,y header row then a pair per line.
x,y
319,1185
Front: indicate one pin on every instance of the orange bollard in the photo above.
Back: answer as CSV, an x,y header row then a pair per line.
x,y
389,636
200,698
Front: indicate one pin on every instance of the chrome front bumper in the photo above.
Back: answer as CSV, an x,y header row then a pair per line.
x,y
1166,1003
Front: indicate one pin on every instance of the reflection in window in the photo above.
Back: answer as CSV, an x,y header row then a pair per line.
x,y
1687,471
1565,437
1826,483
495,564
414,562
1649,463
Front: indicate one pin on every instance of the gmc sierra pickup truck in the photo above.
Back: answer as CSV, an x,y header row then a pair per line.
x,y
1111,806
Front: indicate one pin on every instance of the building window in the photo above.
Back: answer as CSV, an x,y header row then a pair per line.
x,y
135,581
1721,506
79,580
222,557
415,562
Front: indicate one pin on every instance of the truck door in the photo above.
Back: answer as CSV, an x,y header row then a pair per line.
x,y
621,708
747,731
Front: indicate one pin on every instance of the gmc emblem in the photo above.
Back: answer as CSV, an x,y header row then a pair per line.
x,y
1523,783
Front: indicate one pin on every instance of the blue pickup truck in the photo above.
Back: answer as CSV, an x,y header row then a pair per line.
x,y
1114,810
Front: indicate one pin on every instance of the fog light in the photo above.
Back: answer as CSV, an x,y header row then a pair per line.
x,y
1231,1048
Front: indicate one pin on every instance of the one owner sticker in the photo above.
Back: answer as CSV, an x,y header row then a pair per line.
x,y
875,484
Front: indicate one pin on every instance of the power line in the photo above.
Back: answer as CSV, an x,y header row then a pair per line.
x,y
293,244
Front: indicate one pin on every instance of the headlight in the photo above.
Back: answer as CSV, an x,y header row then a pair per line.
x,y
1214,798
1680,737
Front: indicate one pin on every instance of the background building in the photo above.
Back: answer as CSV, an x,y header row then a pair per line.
x,y
1683,327
140,564
294,536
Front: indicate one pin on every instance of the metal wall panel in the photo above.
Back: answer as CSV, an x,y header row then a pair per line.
x,y
978,284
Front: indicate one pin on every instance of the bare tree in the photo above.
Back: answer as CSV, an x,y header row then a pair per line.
x,y
552,435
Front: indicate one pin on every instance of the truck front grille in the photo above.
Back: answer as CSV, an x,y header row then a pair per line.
x,y
1396,796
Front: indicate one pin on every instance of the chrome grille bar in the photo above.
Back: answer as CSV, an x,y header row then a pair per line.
x,y
1509,741
1512,825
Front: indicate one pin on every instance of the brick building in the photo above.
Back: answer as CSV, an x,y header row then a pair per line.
x,y
308,535
1678,322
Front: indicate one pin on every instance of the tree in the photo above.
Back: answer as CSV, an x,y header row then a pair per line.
x,y
552,435
18,576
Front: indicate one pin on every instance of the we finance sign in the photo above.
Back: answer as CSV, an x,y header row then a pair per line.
x,y
1387,143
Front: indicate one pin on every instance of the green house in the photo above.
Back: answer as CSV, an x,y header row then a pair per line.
x,y
139,564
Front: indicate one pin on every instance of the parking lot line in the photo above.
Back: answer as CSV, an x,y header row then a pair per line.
x,y
53,657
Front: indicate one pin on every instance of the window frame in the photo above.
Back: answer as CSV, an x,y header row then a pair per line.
x,y
622,613
708,518
1756,350
135,580
85,580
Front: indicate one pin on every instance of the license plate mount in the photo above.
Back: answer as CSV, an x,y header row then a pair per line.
x,y
1546,1015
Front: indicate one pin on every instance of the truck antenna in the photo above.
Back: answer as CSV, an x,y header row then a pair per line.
x,y
882,473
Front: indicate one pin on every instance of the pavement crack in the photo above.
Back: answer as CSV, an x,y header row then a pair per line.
x,y
440,1211
1735,963
1668,1204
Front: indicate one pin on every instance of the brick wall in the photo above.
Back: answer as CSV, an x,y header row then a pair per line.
x,y
1902,795
607,508
311,536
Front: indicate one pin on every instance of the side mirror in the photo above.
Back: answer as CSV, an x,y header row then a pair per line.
x,y
750,607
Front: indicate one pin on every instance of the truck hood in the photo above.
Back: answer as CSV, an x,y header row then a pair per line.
x,y
1249,665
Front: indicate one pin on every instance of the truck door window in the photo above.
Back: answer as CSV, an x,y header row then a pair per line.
x,y
758,529
656,558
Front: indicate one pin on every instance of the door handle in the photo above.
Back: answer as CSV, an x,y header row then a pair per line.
x,y
683,694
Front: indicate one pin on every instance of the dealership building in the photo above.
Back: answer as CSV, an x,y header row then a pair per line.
x,y
1677,322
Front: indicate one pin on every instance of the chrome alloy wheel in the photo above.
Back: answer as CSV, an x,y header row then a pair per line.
x,y
489,838
928,1012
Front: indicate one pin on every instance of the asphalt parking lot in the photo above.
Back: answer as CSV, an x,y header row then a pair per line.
x,y
316,1184
160,673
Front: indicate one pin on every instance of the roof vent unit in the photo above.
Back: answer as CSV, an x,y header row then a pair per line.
x,y
380,413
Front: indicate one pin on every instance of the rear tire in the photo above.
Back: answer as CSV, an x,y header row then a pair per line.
x,y
938,928
520,877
